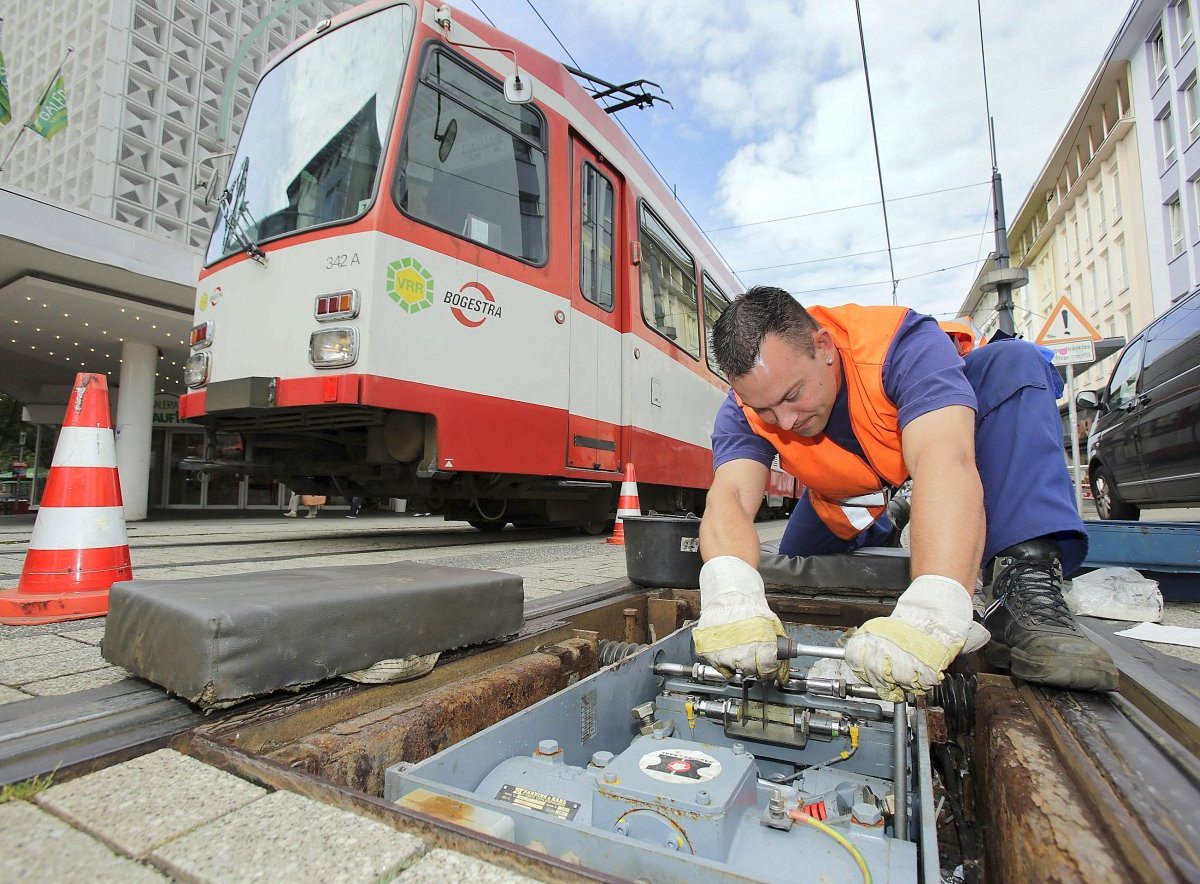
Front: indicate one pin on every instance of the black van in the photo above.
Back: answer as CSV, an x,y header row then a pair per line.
x,y
1144,447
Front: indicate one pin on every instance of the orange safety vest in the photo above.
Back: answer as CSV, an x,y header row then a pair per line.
x,y
848,492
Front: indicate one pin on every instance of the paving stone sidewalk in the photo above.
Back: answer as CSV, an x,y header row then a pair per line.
x,y
167,816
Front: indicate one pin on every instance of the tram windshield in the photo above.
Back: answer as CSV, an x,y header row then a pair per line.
x,y
312,143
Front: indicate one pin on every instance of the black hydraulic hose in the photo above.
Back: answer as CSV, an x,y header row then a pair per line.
x,y
952,783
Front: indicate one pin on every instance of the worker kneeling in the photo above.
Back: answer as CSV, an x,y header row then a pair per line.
x,y
855,401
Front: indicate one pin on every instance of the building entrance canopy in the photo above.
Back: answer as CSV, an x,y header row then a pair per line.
x,y
74,289
81,293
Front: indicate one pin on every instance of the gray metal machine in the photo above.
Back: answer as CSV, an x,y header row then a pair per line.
x,y
659,768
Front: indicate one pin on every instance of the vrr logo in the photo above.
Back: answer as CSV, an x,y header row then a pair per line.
x,y
470,309
410,285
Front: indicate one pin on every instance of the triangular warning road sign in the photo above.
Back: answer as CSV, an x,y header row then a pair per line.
x,y
1066,323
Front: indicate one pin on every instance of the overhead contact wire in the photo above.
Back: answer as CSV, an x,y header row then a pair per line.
x,y
862,42
645,156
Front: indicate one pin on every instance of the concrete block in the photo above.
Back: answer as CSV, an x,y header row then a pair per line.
x,y
11,695
287,837
80,681
440,866
142,804
34,645
44,666
37,846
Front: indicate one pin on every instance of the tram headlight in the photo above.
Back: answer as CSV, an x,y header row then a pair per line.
x,y
333,347
195,370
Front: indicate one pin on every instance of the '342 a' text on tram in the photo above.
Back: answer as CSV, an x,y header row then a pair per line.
x,y
442,272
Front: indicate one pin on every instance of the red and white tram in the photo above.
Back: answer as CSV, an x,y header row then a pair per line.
x,y
442,272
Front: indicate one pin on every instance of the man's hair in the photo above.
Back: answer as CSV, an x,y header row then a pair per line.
x,y
738,333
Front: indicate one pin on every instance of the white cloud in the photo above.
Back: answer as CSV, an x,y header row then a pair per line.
x,y
778,86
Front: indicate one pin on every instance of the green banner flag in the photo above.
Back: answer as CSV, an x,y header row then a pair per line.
x,y
5,103
51,116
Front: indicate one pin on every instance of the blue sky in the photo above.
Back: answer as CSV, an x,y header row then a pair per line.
x,y
770,121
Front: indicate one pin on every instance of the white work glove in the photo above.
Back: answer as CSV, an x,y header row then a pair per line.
x,y
908,651
736,630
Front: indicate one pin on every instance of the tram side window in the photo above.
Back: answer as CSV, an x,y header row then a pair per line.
x,y
715,303
596,238
669,285
472,164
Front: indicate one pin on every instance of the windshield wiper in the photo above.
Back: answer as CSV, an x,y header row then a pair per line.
x,y
236,212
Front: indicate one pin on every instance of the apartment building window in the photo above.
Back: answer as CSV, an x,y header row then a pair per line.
x,y
1116,193
1196,202
1075,239
1122,267
1175,223
1107,279
1191,104
1158,57
1087,226
1064,254
1183,23
1127,321
1102,219
1166,136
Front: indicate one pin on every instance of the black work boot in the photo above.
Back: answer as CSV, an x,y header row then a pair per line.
x,y
899,510
1034,634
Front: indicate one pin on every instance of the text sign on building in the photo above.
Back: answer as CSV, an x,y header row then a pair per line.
x,y
1065,324
1073,352
166,410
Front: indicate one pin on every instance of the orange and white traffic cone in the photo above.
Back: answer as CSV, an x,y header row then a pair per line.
x,y
79,548
627,505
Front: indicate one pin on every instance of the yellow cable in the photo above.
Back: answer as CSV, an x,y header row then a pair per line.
x,y
691,714
840,839
853,742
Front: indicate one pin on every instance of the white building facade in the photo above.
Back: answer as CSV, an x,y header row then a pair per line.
x,y
1113,221
1081,231
153,87
1163,64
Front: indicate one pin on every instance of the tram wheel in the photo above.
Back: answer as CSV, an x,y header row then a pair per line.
x,y
595,529
488,527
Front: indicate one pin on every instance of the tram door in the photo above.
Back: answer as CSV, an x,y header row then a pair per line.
x,y
594,437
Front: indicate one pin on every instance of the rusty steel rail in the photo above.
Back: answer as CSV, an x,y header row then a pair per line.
x,y
77,733
1137,779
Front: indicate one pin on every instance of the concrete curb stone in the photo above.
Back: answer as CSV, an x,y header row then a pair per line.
x,y
287,837
76,681
37,846
11,695
36,646
44,666
440,866
144,803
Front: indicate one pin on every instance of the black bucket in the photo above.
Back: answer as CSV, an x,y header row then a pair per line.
x,y
663,551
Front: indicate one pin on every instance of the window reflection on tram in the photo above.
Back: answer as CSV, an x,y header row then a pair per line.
x,y
311,146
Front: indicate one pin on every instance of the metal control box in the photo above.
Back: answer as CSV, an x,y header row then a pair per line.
x,y
619,773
